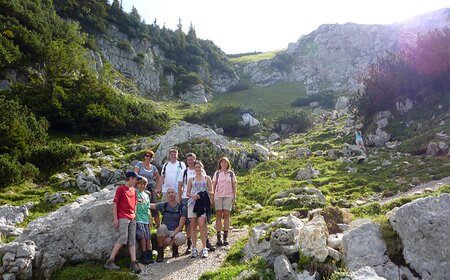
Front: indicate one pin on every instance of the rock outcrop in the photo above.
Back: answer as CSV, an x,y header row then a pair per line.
x,y
80,231
423,226
334,56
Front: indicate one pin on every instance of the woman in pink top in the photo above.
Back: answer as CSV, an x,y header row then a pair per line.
x,y
224,182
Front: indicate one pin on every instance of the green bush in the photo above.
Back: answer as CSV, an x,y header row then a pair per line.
x,y
19,128
300,121
53,155
228,117
326,100
12,171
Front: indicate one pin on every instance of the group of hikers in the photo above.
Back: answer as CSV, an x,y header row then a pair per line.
x,y
187,196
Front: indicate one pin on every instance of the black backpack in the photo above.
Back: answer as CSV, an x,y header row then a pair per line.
x,y
179,210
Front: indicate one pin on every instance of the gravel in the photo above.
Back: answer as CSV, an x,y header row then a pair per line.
x,y
186,268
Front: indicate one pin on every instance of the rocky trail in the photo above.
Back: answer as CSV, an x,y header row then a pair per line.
x,y
429,186
186,268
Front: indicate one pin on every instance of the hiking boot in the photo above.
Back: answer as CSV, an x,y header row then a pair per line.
x,y
210,246
194,253
225,238
188,249
175,253
219,240
204,252
135,267
111,265
160,256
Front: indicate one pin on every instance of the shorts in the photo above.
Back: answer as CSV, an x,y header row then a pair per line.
x,y
185,203
142,231
127,232
179,239
223,203
192,214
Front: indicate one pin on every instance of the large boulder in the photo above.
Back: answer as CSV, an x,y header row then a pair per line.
x,y
364,246
195,94
185,132
381,137
423,226
307,173
314,237
342,103
80,231
309,197
12,215
271,240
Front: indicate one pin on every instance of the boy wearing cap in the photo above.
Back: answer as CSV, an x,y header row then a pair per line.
x,y
124,214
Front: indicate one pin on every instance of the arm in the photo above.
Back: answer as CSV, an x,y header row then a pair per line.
x,y
180,190
114,210
180,225
153,206
158,181
233,186
136,169
189,187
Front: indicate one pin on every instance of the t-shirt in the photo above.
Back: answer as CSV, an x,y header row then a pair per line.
x,y
172,173
143,204
197,186
125,198
224,186
189,174
171,218
147,173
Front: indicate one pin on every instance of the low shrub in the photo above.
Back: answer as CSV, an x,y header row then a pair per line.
x,y
325,100
53,155
12,171
298,121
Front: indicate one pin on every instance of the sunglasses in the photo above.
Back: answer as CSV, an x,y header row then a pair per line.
x,y
150,156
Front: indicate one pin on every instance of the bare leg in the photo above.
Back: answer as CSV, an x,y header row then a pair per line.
x,y
194,232
202,228
218,221
133,253
115,250
226,220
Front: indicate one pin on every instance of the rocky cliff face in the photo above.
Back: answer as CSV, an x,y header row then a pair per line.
x,y
143,63
335,56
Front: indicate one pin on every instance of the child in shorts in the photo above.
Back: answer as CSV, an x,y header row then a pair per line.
x,y
143,222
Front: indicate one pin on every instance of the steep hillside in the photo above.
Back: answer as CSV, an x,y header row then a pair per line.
x,y
335,56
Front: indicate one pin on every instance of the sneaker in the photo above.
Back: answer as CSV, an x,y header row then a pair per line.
x,y
204,252
225,243
135,267
194,253
111,265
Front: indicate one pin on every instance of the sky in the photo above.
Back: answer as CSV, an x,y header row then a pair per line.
x,y
241,26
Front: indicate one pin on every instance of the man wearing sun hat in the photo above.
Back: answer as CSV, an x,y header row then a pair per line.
x,y
124,214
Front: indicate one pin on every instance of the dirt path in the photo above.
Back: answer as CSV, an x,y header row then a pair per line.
x,y
186,268
431,186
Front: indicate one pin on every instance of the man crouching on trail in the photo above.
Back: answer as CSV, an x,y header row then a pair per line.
x,y
170,231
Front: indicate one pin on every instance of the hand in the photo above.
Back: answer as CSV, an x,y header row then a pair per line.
x,y
116,223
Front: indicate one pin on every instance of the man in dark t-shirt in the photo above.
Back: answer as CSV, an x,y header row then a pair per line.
x,y
170,231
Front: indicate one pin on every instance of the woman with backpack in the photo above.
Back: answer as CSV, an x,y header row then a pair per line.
x,y
224,182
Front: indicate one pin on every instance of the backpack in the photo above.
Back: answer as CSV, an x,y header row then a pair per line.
x,y
217,178
179,211
165,165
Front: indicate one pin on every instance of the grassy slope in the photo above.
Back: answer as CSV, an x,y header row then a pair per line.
x,y
254,57
257,186
267,102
